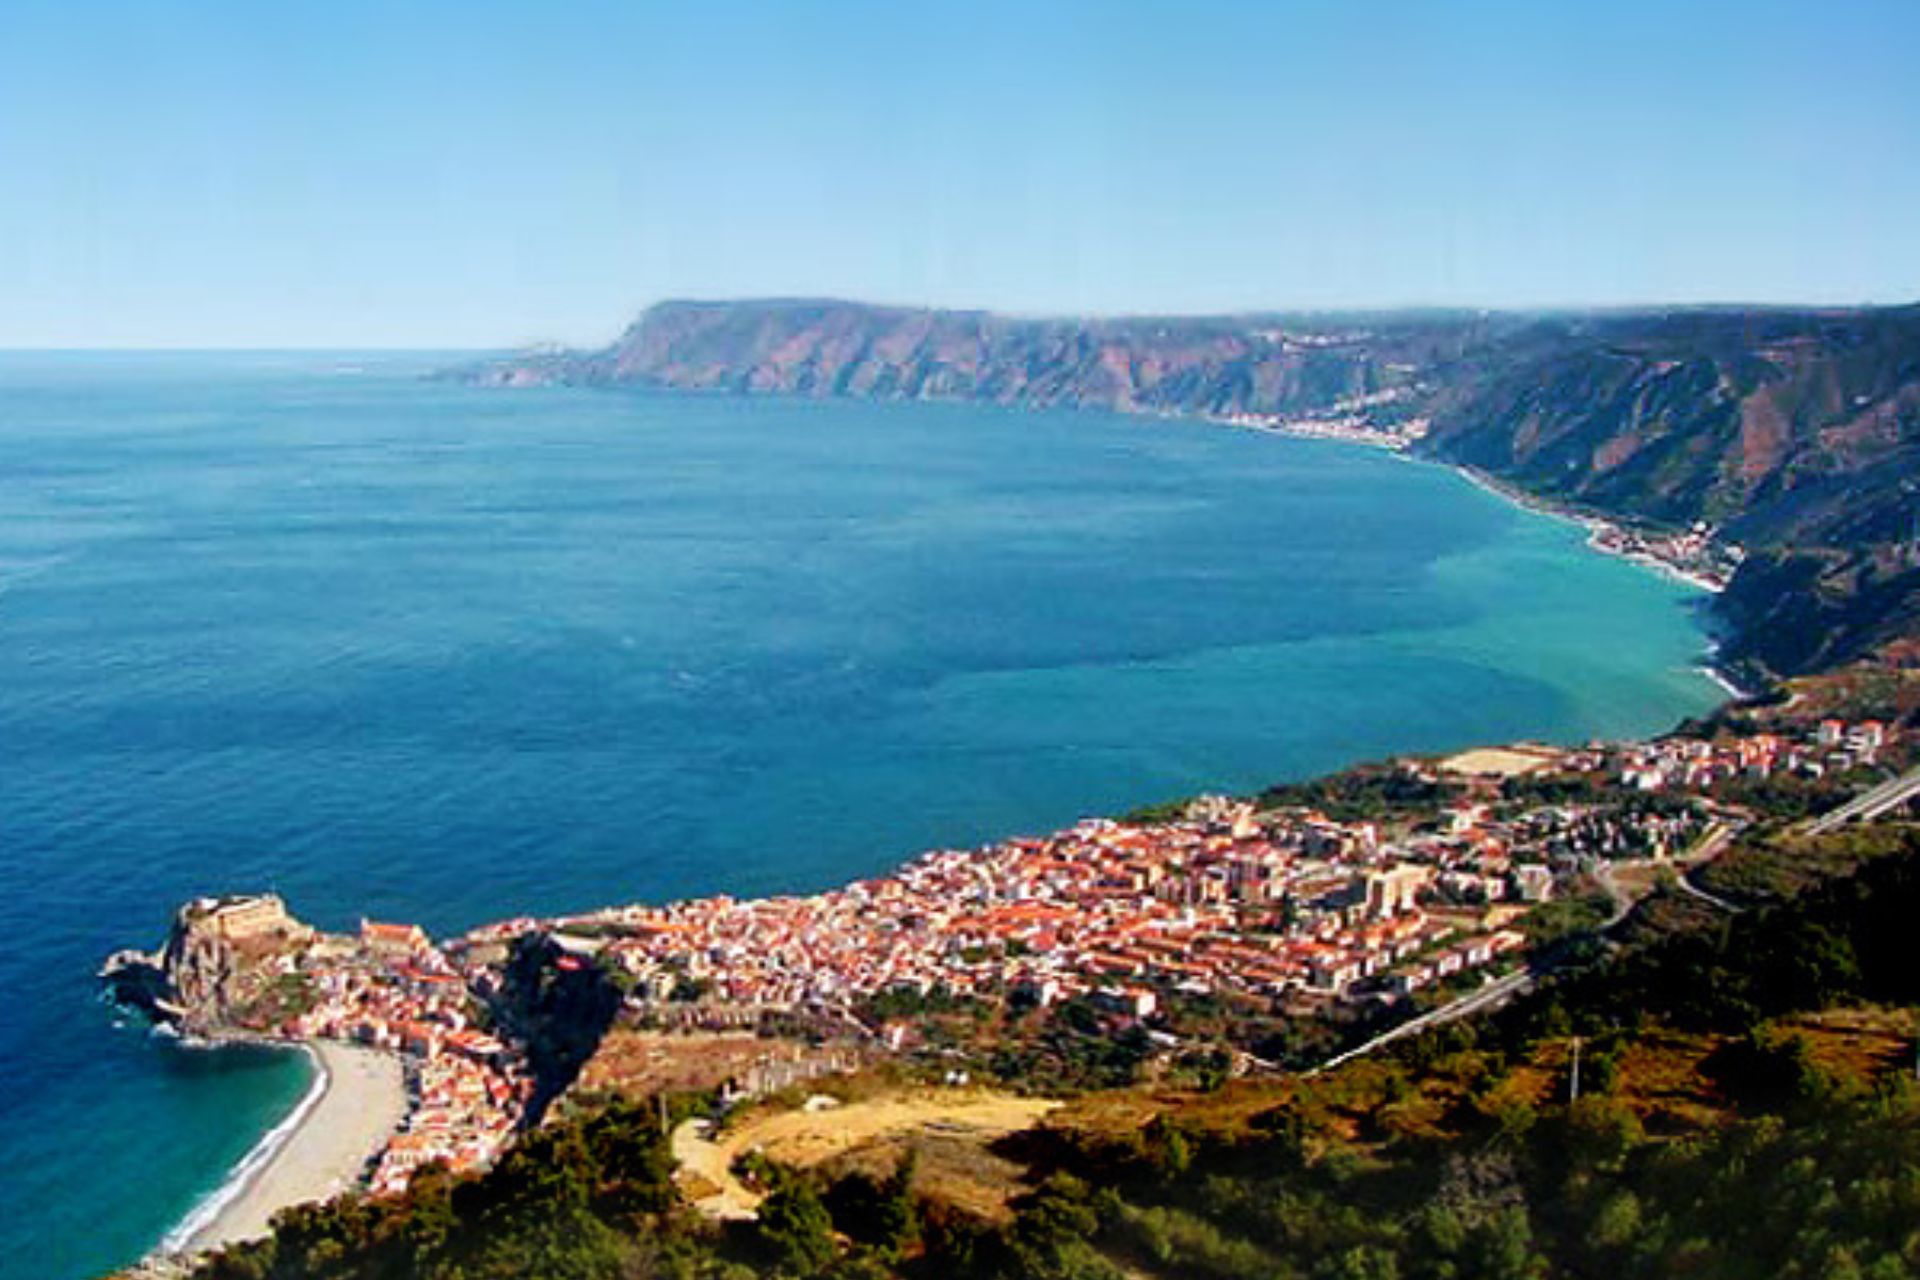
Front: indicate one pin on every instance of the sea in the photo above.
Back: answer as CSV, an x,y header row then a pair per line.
x,y
317,624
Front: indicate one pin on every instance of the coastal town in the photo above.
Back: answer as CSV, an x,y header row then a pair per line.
x,y
1429,894
1695,554
1274,903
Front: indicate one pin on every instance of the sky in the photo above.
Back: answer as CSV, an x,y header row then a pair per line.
x,y
226,173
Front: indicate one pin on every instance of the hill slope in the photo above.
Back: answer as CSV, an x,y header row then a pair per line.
x,y
1725,1062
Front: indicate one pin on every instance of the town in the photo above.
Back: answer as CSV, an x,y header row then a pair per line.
x,y
1278,903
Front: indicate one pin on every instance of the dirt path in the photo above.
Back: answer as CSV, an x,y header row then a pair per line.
x,y
706,1173
808,1137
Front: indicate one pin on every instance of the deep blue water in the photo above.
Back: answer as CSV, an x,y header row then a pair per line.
x,y
310,623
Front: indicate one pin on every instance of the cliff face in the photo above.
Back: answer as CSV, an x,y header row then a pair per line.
x,y
1228,365
219,959
1794,433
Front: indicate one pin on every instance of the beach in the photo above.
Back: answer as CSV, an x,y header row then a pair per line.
x,y
358,1100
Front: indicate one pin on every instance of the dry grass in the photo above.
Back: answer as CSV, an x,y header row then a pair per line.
x,y
957,1126
1503,762
642,1063
949,1170
1862,1043
806,1138
1660,1077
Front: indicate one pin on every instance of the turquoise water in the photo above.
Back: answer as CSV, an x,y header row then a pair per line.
x,y
310,623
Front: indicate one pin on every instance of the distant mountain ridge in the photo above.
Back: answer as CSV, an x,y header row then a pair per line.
x,y
1794,432
1240,364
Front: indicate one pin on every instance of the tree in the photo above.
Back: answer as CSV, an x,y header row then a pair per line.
x,y
877,1212
795,1229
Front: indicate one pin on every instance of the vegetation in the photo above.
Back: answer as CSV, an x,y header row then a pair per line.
x,y
1567,918
1366,793
1757,1059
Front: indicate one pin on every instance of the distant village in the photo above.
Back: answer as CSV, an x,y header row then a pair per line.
x,y
1695,554
1282,904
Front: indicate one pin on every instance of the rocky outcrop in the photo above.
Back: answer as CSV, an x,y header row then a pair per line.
x,y
219,957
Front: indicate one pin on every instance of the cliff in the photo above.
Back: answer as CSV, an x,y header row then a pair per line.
x,y
558,1002
217,968
1226,365
1792,433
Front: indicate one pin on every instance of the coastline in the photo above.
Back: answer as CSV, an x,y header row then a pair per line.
x,y
1598,528
358,1099
1719,677
311,1155
1604,535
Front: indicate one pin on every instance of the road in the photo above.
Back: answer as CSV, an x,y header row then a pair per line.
x,y
1869,804
1501,990
1710,847
1494,993
1863,807
724,1197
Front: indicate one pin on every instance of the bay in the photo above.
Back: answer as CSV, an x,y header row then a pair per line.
x,y
308,622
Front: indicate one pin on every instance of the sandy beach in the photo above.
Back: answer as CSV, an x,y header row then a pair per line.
x,y
359,1101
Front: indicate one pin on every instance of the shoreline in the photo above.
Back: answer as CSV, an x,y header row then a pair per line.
x,y
320,1149
1598,528
359,1097
1719,677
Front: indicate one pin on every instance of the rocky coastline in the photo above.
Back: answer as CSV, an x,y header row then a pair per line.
x,y
401,1075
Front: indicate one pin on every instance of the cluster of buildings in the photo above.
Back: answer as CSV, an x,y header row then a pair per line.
x,y
1353,428
1272,905
1285,905
391,988
1282,905
1480,858
1695,554
1698,764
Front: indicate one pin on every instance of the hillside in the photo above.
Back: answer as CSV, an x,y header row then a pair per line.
x,y
1724,1062
1225,365
1795,434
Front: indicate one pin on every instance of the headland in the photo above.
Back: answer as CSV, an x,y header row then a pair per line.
x,y
402,1076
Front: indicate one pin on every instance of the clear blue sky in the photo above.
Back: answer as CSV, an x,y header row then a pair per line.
x,y
187,172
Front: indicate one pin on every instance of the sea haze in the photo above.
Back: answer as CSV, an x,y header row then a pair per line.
x,y
312,623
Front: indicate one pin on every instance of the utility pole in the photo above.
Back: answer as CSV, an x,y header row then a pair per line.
x,y
1573,1087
